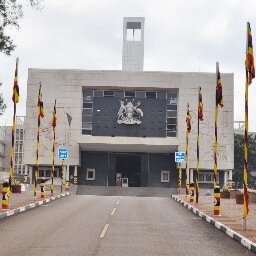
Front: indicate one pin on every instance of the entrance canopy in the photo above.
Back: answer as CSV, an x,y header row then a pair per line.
x,y
129,144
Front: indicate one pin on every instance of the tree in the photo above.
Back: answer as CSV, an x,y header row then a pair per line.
x,y
239,160
2,104
11,11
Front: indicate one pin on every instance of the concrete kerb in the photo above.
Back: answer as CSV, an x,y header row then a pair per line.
x,y
228,231
31,206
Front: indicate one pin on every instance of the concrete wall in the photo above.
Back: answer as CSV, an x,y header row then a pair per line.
x,y
66,86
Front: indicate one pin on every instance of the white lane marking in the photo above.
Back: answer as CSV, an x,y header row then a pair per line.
x,y
117,202
113,212
104,231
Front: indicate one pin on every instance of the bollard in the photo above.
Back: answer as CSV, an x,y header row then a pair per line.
x,y
216,208
191,192
6,194
51,187
75,180
67,185
25,179
42,185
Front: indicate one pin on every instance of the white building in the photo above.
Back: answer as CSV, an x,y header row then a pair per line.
x,y
108,136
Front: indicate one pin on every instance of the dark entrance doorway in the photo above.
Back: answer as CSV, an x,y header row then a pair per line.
x,y
129,167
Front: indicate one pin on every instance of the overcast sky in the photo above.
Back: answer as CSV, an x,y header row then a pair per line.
x,y
187,35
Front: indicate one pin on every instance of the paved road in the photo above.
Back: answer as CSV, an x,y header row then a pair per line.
x,y
94,225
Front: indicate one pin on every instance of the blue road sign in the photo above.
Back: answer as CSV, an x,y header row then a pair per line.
x,y
180,157
63,153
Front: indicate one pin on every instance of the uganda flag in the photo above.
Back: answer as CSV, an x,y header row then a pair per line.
x,y
16,93
219,97
188,119
41,106
54,118
40,103
200,106
249,55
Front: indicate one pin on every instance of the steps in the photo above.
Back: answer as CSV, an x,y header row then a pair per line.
x,y
130,191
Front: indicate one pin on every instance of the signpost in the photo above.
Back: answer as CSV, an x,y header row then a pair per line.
x,y
63,153
180,157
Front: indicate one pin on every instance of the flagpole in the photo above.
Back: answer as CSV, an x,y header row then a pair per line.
x,y
215,168
197,149
246,208
250,74
179,179
15,99
54,142
38,139
187,170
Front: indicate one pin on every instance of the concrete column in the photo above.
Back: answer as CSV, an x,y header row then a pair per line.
x,y
26,170
67,177
30,169
230,174
225,177
191,175
67,173
75,175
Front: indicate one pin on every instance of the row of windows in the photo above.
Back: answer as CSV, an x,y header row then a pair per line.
x,y
207,177
19,134
171,96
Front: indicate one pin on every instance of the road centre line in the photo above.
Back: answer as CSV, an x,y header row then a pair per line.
x,y
113,212
104,231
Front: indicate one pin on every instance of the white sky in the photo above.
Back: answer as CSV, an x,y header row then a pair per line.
x,y
187,35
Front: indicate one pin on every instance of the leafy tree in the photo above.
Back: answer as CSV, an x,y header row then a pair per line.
x,y
238,174
2,104
11,11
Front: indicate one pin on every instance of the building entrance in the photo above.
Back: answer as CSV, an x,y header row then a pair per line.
x,y
128,166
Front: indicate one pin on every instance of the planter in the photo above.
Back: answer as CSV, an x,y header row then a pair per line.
x,y
239,198
16,188
225,194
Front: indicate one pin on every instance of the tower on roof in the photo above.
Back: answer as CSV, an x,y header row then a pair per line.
x,y
133,43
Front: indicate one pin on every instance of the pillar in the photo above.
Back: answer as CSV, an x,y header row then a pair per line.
x,y
75,175
30,173
230,174
25,176
67,177
191,176
226,174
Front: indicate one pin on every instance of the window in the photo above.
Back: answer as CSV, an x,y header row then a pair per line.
x,y
90,174
133,31
150,95
21,134
108,93
87,111
140,94
207,177
129,94
165,176
17,134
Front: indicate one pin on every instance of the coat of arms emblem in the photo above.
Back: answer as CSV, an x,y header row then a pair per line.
x,y
129,113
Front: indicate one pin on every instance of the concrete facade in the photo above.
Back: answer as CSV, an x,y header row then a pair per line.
x,y
67,87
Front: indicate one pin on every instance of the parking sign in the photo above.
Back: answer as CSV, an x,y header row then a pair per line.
x,y
180,157
63,153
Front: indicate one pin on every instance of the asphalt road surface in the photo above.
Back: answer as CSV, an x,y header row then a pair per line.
x,y
97,225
